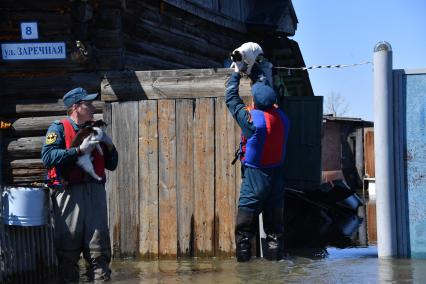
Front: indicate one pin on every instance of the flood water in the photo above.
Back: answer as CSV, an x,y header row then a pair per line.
x,y
354,265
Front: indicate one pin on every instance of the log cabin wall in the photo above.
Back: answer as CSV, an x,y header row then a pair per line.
x,y
117,35
32,89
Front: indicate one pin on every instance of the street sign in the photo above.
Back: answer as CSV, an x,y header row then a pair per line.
x,y
33,50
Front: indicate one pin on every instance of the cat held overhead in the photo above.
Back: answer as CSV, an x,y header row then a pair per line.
x,y
94,130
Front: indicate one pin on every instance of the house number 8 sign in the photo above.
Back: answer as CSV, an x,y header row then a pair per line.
x,y
29,30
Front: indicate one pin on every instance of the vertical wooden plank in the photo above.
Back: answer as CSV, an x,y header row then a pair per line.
x,y
369,154
167,178
371,222
148,181
185,176
224,180
125,131
113,193
204,177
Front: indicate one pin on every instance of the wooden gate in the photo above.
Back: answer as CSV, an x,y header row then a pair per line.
x,y
174,192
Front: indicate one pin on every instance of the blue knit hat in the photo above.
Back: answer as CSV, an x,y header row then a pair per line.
x,y
263,95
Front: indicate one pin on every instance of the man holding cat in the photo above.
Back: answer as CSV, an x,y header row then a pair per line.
x,y
264,133
79,200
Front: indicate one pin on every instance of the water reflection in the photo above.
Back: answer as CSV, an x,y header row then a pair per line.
x,y
356,265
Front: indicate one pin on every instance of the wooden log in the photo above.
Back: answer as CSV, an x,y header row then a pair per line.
x,y
187,83
42,66
26,147
170,54
137,61
125,130
167,178
215,35
178,39
36,126
204,177
26,180
148,181
188,39
23,171
51,85
185,177
24,164
31,108
224,180
209,15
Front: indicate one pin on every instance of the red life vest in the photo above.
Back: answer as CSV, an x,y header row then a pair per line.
x,y
75,174
266,147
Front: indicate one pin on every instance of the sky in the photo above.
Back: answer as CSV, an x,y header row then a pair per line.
x,y
345,32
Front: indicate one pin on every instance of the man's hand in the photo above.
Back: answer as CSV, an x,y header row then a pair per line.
x,y
239,66
106,139
87,145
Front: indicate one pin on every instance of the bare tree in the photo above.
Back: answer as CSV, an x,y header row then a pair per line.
x,y
335,104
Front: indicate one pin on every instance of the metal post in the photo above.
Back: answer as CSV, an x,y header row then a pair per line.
x,y
383,150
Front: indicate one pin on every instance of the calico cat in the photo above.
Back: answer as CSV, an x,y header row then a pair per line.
x,y
94,130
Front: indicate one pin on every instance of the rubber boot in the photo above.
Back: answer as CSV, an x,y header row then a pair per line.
x,y
244,231
273,224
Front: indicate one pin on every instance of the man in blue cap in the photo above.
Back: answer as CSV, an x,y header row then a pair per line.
x,y
79,200
262,150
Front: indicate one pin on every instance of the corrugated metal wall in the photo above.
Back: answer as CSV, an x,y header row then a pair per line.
x,y
27,254
303,156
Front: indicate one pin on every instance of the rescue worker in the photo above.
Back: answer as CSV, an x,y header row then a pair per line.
x,y
262,150
79,201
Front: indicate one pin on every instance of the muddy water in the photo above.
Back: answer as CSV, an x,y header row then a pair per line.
x,y
356,265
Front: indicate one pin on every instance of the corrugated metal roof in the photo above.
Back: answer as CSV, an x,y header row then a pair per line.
x,y
364,123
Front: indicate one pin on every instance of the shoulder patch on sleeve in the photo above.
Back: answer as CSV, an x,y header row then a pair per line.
x,y
51,137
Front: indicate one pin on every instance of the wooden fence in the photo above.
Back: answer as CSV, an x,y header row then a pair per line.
x,y
175,191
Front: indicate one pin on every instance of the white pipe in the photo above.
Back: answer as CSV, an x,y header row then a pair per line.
x,y
383,151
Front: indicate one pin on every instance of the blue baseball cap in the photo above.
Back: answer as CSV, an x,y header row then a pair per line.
x,y
263,95
77,95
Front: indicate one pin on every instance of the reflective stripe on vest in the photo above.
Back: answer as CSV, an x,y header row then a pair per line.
x,y
75,174
266,147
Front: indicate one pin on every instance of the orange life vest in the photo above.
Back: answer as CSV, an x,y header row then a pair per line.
x,y
74,174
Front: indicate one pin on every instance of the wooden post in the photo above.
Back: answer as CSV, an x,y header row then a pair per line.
x,y
148,181
167,178
224,180
126,220
185,176
204,177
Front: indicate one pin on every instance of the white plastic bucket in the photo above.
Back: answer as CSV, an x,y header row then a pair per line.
x,y
23,206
